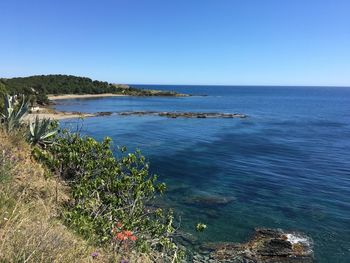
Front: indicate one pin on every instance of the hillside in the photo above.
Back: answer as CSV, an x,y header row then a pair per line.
x,y
30,229
42,85
65,197
32,203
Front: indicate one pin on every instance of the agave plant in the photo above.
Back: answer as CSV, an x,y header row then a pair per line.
x,y
42,132
11,118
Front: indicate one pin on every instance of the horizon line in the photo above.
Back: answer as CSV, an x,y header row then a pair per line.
x,y
243,85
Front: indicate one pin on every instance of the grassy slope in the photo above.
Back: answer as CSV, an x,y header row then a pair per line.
x,y
30,229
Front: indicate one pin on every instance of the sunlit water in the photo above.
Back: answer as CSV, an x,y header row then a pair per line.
x,y
285,166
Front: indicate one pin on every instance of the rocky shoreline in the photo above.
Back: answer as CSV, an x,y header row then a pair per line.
x,y
57,115
266,246
184,114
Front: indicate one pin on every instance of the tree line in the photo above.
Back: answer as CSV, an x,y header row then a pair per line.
x,y
38,87
41,85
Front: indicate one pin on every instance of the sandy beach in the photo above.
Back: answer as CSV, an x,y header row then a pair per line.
x,y
82,96
57,116
48,113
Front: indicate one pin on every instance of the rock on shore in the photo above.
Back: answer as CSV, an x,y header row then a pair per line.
x,y
267,246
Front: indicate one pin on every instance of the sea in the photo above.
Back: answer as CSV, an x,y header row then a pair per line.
x,y
287,165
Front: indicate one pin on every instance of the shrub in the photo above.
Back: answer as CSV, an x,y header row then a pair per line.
x,y
112,197
29,204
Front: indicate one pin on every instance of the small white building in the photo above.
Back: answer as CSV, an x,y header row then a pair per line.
x,y
34,109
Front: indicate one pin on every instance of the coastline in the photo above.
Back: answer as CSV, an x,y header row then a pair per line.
x,y
82,96
48,113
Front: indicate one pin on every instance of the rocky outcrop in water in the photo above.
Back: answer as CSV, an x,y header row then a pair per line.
x,y
104,113
266,246
174,115
208,200
185,114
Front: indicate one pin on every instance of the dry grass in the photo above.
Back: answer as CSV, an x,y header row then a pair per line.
x,y
30,230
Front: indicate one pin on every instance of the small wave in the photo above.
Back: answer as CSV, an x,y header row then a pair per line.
x,y
295,239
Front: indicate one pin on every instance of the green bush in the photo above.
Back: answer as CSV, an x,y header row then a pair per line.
x,y
111,197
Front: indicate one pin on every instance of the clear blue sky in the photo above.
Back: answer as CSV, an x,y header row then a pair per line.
x,y
279,42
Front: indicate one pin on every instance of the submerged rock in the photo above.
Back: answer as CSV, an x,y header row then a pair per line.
x,y
187,239
185,114
208,200
267,246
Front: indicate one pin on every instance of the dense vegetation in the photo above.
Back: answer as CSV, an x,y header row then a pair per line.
x,y
40,86
57,84
30,204
109,197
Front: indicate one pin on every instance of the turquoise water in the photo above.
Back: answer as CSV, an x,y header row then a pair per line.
x,y
285,166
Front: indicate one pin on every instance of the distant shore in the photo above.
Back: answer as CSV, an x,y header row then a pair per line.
x,y
47,112
82,96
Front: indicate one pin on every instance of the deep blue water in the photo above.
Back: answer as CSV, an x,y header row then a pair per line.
x,y
286,166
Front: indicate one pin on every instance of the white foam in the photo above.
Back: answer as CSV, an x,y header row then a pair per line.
x,y
293,239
